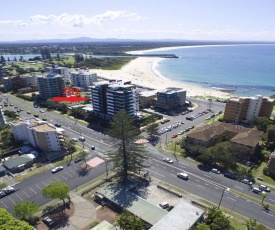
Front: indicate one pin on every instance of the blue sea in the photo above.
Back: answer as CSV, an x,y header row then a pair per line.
x,y
249,70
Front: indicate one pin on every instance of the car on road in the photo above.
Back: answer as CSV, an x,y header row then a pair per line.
x,y
57,169
92,147
44,119
174,136
57,125
28,112
48,221
81,138
9,190
36,115
182,175
42,111
213,170
256,190
2,193
164,205
246,181
35,106
74,139
230,176
11,104
264,188
192,127
168,160
76,160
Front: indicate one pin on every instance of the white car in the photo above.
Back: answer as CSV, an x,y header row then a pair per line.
x,y
264,188
215,171
74,139
168,160
183,176
57,169
42,111
245,181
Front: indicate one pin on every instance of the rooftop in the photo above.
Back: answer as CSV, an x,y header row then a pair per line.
x,y
44,128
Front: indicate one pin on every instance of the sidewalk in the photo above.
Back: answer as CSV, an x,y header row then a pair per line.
x,y
84,213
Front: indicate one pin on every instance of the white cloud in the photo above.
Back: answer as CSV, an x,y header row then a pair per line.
x,y
80,20
11,22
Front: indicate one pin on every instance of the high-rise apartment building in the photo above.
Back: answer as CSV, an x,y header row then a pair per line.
x,y
83,79
108,98
62,71
39,134
2,119
243,109
50,85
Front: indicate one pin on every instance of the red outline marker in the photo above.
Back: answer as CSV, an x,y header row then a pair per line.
x,y
70,99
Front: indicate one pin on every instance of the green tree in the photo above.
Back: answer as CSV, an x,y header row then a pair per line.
x,y
7,222
25,210
7,138
152,127
251,224
129,222
261,123
212,214
202,226
56,189
129,156
271,134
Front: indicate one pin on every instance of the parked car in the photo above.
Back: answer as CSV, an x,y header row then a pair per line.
x,y
229,175
74,139
57,169
245,181
82,139
168,160
174,136
92,147
215,171
256,190
48,221
264,188
44,119
35,106
183,176
57,125
28,112
36,115
164,205
76,160
42,111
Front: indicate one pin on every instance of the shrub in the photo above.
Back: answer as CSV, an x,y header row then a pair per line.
x,y
94,223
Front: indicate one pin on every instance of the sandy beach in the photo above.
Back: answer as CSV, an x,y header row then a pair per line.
x,y
140,72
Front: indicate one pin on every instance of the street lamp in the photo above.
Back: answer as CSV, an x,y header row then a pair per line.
x,y
227,189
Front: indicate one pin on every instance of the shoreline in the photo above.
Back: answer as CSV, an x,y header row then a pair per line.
x,y
142,72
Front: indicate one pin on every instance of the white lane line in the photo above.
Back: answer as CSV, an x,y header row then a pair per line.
x,y
4,204
248,201
237,196
271,200
33,191
69,174
19,197
55,178
200,186
207,175
206,184
26,194
197,180
172,170
238,187
64,177
231,198
268,214
38,187
183,164
156,173
44,183
11,200
216,188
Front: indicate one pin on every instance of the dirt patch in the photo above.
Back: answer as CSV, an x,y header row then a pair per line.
x,y
61,218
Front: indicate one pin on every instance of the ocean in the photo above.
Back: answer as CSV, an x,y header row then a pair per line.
x,y
247,70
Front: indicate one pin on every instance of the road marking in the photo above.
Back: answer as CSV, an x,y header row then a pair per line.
x,y
207,175
4,204
206,184
197,180
64,177
19,197
183,164
156,173
164,167
268,214
68,174
238,187
38,187
172,170
248,201
26,194
44,183
271,200
11,200
33,191
216,188
237,196
231,198
200,186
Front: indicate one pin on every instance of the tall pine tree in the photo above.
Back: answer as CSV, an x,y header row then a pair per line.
x,y
129,155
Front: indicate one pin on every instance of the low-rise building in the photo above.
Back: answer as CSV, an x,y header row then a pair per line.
x,y
243,109
271,163
148,98
2,119
242,136
170,98
83,79
18,164
39,134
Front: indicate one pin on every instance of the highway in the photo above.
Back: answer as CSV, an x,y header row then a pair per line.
x,y
203,184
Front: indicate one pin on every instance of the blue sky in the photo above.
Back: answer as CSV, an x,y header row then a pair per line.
x,y
138,19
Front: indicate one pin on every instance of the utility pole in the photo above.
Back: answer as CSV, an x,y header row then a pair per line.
x,y
175,150
227,189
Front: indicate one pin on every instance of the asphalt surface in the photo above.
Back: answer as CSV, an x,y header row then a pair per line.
x,y
204,184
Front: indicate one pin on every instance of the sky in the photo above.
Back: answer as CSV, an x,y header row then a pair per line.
x,y
244,20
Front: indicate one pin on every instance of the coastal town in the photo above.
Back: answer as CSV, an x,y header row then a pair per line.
x,y
67,164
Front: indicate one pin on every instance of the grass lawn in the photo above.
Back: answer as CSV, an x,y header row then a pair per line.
x,y
3,185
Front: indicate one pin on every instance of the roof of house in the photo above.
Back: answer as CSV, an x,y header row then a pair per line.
x,y
243,136
104,225
181,217
121,195
2,169
271,162
16,161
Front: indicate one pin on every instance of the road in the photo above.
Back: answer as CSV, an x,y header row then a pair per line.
x,y
203,184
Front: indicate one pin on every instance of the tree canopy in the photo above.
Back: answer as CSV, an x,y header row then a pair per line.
x,y
7,222
56,189
129,222
129,156
25,210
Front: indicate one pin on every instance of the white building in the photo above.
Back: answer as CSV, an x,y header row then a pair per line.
x,y
83,79
62,71
38,133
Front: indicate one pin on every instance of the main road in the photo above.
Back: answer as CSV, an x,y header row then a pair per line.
x,y
203,184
